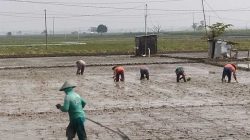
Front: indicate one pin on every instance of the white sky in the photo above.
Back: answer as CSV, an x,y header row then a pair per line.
x,y
118,15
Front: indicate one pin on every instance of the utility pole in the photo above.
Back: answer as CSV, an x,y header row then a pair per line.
x,y
46,34
78,35
202,1
209,21
146,14
53,26
193,22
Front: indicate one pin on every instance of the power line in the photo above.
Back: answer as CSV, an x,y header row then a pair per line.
x,y
213,11
11,15
16,14
93,3
233,19
124,8
72,5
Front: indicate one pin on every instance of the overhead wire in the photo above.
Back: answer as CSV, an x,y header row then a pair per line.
x,y
117,10
95,3
125,8
213,11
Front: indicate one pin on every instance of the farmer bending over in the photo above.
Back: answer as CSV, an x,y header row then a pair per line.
x,y
144,72
73,104
227,71
80,64
118,72
180,74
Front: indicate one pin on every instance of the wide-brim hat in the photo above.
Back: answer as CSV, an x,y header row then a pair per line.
x,y
114,67
66,85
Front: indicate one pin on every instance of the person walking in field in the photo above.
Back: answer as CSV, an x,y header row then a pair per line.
x,y
180,74
73,104
144,71
227,71
80,64
118,73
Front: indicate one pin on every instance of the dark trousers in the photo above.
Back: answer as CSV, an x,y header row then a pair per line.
x,y
76,126
144,73
180,76
80,70
226,72
117,76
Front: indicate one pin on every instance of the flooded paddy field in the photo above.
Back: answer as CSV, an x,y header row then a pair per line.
x,y
155,109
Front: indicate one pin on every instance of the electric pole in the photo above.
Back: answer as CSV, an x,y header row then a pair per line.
x,y
202,1
193,23
209,21
46,34
78,35
146,14
53,26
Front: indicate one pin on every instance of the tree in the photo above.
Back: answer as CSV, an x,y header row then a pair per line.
x,y
217,29
201,26
93,29
74,33
194,26
19,32
9,33
157,29
44,32
102,28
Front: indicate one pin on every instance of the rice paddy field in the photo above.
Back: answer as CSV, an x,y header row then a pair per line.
x,y
155,109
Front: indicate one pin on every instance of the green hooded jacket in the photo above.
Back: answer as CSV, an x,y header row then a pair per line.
x,y
73,104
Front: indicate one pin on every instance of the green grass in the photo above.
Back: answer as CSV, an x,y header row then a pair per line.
x,y
166,44
105,44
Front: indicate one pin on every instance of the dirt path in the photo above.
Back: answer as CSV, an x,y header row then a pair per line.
x,y
157,109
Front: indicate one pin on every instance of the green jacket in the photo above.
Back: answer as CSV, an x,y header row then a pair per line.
x,y
179,70
73,104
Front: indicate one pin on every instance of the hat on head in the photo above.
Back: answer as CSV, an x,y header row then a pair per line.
x,y
114,67
66,85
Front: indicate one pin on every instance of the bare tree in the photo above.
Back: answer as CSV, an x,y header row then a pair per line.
x,y
9,33
19,32
157,29
194,26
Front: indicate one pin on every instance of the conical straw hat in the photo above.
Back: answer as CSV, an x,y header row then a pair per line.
x,y
67,85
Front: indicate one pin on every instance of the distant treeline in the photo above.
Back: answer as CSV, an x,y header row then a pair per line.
x,y
233,32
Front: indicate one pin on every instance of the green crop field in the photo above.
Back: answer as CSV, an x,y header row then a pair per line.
x,y
89,44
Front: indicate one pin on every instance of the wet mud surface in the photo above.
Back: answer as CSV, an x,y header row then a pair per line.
x,y
158,109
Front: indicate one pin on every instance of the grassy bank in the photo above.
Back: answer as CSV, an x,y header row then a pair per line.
x,y
97,44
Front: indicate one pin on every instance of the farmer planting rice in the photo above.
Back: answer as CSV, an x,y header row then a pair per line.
x,y
227,71
144,72
118,73
80,64
180,74
73,104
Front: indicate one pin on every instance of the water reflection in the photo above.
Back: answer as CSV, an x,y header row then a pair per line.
x,y
247,65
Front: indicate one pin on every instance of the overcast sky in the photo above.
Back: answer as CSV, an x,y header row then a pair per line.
x,y
118,15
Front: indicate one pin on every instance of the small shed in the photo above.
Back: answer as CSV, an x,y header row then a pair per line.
x,y
220,49
146,44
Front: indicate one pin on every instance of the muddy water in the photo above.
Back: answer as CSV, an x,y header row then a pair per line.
x,y
203,108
